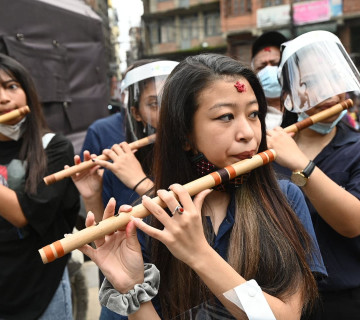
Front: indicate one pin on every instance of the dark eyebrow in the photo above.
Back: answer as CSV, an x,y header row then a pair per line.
x,y
152,97
232,105
9,81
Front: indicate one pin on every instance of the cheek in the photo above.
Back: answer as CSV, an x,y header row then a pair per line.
x,y
20,96
155,119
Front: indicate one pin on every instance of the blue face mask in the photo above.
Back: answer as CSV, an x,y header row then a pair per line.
x,y
269,81
322,127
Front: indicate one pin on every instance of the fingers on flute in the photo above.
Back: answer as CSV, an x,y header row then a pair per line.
x,y
125,146
124,208
86,155
158,212
200,198
77,159
90,221
131,237
88,251
152,232
110,208
182,194
102,163
169,199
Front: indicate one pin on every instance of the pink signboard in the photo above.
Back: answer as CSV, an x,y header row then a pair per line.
x,y
312,11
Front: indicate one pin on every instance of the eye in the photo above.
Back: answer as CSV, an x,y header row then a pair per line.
x,y
153,105
254,115
226,117
13,86
258,69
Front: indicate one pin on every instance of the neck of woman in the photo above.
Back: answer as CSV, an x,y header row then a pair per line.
x,y
215,206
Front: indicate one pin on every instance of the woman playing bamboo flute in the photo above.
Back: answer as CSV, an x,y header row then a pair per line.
x,y
31,214
128,174
212,115
316,73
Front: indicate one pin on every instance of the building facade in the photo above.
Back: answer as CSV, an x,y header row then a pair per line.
x,y
244,20
177,28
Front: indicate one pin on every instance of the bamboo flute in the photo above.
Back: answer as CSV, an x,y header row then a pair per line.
x,y
14,114
318,117
86,165
73,241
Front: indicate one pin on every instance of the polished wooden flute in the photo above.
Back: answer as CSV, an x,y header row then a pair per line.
x,y
73,241
14,114
86,165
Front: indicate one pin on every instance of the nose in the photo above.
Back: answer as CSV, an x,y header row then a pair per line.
x,y
244,130
4,97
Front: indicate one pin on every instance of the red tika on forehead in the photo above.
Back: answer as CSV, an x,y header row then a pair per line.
x,y
240,86
267,49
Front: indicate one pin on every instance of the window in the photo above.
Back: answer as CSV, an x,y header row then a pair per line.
x,y
270,3
212,24
189,28
238,7
154,33
167,31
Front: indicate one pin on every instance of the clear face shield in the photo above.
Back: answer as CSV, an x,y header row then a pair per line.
x,y
314,68
141,89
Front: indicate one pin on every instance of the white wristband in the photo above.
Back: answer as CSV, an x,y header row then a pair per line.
x,y
250,298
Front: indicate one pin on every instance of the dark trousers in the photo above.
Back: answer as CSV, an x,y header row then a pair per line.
x,y
337,305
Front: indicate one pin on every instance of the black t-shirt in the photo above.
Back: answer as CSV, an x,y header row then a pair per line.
x,y
26,284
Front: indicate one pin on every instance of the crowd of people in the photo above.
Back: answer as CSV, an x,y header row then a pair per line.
x,y
278,242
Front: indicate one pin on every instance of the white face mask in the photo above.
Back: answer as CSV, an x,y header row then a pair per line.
x,y
323,127
13,132
269,81
273,118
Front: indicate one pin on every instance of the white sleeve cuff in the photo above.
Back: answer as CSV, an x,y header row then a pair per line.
x,y
250,298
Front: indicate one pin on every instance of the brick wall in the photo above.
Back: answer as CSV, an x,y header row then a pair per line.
x,y
351,6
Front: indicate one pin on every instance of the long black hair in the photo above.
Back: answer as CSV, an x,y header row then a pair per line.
x,y
267,242
35,126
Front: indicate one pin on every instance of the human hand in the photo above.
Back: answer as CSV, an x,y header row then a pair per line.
x,y
288,154
118,255
183,233
88,182
124,164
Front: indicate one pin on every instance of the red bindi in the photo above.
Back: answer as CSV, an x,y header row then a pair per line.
x,y
267,49
240,86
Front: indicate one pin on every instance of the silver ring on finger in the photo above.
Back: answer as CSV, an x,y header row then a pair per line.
x,y
179,209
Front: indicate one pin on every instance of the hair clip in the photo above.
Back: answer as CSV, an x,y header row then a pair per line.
x,y
240,86
267,49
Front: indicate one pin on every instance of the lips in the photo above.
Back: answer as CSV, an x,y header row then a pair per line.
x,y
7,111
245,155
